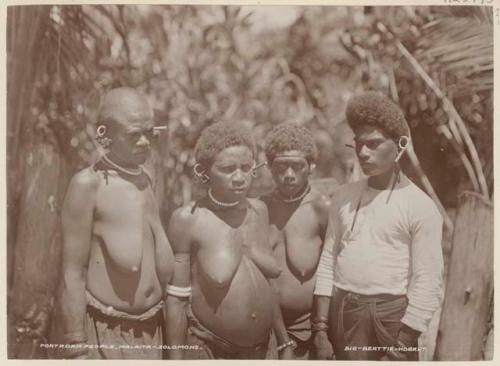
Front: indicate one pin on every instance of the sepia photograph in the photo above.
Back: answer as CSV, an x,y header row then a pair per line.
x,y
250,182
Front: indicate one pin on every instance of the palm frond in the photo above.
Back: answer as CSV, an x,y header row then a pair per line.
x,y
461,46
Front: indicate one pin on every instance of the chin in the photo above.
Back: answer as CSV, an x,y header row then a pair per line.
x,y
369,172
289,191
239,195
139,160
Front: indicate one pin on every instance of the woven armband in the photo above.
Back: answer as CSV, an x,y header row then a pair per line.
x,y
320,324
179,291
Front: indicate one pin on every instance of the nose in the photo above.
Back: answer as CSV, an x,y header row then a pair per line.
x,y
238,178
289,175
363,153
143,141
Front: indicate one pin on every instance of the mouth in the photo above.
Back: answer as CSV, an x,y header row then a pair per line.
x,y
239,190
142,153
289,186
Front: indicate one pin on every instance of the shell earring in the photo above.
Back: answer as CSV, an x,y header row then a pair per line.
x,y
201,175
403,143
101,137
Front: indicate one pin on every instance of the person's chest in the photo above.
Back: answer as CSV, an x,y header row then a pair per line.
x,y
296,241
374,220
123,202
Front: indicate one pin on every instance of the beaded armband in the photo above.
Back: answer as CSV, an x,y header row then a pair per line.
x,y
290,343
179,291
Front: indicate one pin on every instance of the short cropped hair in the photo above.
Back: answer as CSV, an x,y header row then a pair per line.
x,y
290,136
376,109
219,136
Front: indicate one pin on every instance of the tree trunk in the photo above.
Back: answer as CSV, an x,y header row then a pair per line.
x,y
37,252
25,27
469,290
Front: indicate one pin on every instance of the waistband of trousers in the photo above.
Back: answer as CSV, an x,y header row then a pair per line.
x,y
353,296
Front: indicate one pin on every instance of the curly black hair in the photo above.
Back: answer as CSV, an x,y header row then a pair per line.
x,y
290,136
217,137
376,109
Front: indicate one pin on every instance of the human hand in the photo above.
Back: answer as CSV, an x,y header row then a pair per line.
x,y
322,348
407,338
287,354
77,353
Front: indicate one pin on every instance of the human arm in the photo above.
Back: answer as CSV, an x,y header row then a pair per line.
x,y
279,326
322,207
176,303
425,285
77,218
323,293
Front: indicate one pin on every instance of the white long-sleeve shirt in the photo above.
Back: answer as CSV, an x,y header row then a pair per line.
x,y
394,247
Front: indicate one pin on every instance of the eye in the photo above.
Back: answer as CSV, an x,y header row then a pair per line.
x,y
134,135
227,168
298,166
281,167
372,144
246,167
149,132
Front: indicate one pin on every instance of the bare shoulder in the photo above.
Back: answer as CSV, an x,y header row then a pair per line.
x,y
180,228
259,206
266,199
321,203
81,196
183,216
82,190
86,179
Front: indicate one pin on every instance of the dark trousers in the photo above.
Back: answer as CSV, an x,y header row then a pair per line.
x,y
366,326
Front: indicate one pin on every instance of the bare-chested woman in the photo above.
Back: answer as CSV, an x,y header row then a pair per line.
x,y
220,298
116,257
298,217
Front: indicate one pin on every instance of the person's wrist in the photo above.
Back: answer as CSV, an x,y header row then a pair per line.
x,y
406,330
289,344
408,335
319,324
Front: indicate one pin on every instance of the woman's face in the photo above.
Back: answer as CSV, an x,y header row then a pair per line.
x,y
290,171
231,173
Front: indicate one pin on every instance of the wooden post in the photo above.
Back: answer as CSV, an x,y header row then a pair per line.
x,y
469,287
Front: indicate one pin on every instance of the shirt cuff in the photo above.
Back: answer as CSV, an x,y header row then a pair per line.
x,y
414,321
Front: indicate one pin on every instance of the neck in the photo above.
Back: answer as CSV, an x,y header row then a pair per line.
x,y
115,158
223,204
383,180
119,168
302,193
